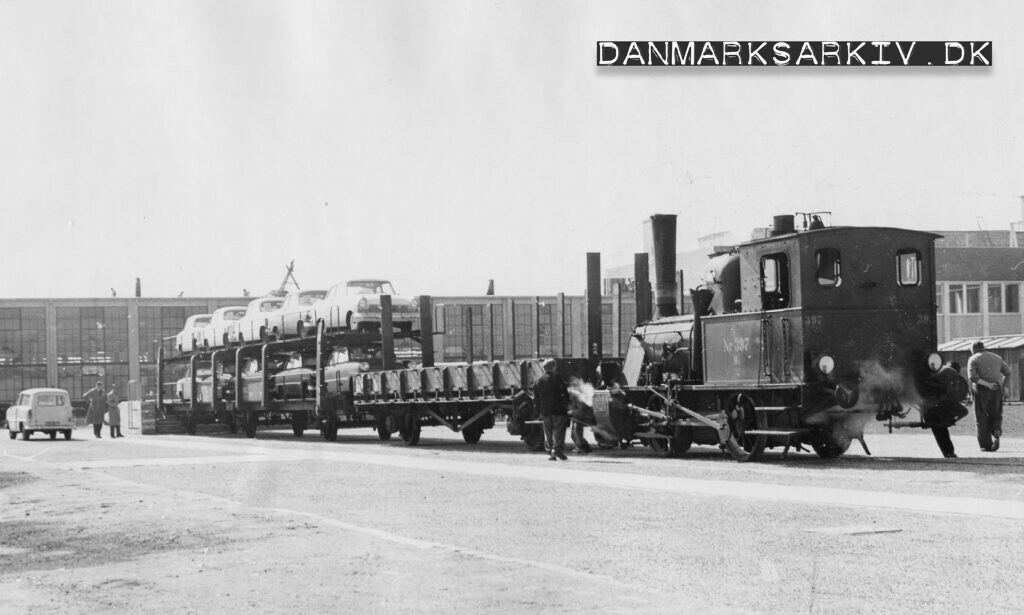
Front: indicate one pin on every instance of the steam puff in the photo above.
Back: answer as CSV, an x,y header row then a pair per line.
x,y
581,392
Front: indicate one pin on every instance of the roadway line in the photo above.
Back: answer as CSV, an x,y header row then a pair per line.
x,y
744,490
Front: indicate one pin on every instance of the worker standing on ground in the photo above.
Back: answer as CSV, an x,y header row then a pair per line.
x,y
114,413
97,408
552,401
988,373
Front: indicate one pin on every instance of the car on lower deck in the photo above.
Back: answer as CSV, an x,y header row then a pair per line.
x,y
41,410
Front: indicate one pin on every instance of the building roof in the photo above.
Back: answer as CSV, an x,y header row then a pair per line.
x,y
993,342
970,264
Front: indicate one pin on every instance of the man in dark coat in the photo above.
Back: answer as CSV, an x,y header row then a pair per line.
x,y
97,408
947,409
988,374
552,401
114,413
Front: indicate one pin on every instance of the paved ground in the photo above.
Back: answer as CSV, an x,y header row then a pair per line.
x,y
218,523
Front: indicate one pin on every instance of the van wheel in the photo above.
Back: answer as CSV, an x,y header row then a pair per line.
x,y
25,433
13,434
53,435
67,434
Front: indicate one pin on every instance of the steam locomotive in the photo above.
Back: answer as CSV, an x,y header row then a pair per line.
x,y
799,338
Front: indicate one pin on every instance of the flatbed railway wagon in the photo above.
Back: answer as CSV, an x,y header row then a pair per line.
x,y
242,390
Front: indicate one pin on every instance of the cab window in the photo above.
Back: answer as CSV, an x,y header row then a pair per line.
x,y
908,263
774,281
827,268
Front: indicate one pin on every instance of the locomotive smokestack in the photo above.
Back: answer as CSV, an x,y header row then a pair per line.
x,y
783,225
663,231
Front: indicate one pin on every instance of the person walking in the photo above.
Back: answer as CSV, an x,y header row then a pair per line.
x,y
552,401
97,408
988,373
114,413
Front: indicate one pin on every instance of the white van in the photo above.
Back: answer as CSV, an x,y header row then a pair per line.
x,y
45,410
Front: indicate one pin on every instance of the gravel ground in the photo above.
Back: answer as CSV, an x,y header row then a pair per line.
x,y
214,524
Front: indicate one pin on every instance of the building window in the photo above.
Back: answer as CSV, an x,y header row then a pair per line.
x,y
973,294
909,266
1012,303
1003,298
995,298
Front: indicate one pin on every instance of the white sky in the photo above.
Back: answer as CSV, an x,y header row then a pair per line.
x,y
202,145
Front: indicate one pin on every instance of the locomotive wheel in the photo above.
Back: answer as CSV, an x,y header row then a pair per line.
x,y
251,421
384,424
299,421
410,430
741,416
472,433
829,445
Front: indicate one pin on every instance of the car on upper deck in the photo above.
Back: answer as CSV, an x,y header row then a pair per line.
x,y
215,334
185,340
251,326
297,315
355,305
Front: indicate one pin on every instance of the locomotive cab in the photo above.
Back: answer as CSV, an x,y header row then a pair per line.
x,y
845,313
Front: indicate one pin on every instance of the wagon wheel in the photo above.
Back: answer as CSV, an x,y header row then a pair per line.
x,y
410,430
385,425
299,420
533,437
330,427
472,433
740,414
603,442
251,421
